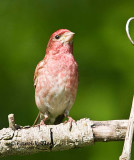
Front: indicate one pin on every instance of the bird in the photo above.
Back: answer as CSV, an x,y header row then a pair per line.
x,y
56,80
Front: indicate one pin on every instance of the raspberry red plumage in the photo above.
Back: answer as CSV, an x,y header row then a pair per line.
x,y
56,77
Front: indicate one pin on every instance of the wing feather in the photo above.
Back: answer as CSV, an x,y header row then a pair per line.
x,y
36,73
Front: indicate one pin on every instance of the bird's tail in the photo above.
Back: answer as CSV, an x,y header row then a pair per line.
x,y
37,120
40,116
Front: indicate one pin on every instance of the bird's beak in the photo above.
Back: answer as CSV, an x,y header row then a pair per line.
x,y
67,37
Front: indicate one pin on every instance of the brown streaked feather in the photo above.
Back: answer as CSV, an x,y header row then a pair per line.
x,y
39,66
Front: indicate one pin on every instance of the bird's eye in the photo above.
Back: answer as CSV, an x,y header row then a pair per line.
x,y
57,37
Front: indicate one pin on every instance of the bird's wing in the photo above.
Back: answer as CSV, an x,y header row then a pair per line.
x,y
39,66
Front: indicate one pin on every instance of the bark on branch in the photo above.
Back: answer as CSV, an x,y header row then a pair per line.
x,y
59,137
126,153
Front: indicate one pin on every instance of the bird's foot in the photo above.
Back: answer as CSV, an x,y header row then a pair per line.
x,y
70,120
42,122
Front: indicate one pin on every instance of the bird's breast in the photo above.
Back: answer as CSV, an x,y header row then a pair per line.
x,y
57,84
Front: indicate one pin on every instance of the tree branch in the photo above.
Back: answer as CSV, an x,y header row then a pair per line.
x,y
59,137
127,29
126,153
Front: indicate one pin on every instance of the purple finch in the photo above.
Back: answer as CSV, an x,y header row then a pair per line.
x,y
56,79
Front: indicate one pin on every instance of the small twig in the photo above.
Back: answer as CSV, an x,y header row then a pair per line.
x,y
11,121
126,154
127,29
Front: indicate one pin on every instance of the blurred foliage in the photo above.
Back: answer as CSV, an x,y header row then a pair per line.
x,y
101,48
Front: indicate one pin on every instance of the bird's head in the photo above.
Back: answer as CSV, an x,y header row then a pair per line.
x,y
62,38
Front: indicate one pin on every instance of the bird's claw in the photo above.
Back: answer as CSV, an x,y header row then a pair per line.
x,y
70,120
42,122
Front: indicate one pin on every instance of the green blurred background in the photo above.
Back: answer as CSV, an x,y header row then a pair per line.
x,y
103,52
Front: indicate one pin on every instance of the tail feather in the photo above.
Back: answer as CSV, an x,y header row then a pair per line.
x,y
37,120
40,116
